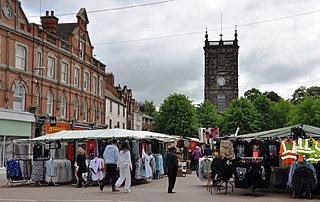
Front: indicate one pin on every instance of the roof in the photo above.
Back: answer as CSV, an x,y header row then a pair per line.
x,y
64,29
113,98
311,131
100,134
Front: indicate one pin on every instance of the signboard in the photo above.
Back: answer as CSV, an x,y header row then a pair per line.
x,y
41,119
53,121
57,128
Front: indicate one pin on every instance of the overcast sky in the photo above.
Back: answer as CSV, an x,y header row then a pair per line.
x,y
279,42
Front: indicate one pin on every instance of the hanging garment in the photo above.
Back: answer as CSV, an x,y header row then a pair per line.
x,y
37,174
51,168
13,168
138,171
314,156
95,166
303,146
256,145
303,180
204,168
91,149
287,152
272,152
226,149
147,165
221,169
241,173
241,149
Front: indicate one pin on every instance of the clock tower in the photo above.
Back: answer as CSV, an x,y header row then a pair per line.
x,y
221,71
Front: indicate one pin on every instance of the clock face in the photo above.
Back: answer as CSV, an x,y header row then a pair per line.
x,y
221,81
7,11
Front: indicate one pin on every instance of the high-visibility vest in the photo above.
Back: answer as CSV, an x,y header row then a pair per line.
x,y
303,146
314,156
287,154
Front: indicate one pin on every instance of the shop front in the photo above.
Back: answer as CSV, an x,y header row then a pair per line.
x,y
14,125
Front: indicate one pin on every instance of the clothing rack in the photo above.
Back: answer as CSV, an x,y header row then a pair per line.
x,y
17,177
253,159
219,186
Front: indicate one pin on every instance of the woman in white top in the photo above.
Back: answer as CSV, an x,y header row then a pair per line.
x,y
125,166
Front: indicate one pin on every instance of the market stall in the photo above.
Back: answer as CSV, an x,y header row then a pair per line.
x,y
59,149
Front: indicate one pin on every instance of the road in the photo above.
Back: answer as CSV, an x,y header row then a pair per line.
x,y
188,189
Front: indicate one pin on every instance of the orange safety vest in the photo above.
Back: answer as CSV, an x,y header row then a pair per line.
x,y
287,154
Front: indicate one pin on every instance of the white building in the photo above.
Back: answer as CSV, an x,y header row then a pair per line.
x,y
116,112
137,114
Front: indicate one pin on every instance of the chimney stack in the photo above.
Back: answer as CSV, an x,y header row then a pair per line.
x,y
49,23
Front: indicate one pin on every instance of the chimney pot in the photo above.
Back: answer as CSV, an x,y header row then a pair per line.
x,y
52,13
47,13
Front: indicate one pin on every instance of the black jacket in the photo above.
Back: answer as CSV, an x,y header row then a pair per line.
x,y
81,162
172,161
303,180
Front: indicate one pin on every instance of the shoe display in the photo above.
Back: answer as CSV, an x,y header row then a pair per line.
x,y
127,191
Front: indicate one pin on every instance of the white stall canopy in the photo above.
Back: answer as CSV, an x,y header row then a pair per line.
x,y
100,134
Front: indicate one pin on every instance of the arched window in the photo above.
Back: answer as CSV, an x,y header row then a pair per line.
x,y
63,107
50,104
76,109
93,114
85,111
221,102
19,97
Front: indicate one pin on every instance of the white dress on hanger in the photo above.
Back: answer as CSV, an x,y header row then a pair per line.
x,y
147,160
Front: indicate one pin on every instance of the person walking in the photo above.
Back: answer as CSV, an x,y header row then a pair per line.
x,y
82,167
196,154
125,167
110,156
172,164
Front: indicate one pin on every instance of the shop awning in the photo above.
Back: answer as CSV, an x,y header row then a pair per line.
x,y
101,134
311,131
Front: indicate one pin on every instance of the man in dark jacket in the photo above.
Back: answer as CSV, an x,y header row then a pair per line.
x,y
172,164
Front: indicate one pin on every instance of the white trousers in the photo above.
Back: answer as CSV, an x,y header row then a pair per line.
x,y
125,175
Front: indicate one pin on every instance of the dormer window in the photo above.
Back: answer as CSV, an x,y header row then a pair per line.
x,y
82,50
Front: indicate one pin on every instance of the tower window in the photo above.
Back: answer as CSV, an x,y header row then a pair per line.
x,y
220,59
221,102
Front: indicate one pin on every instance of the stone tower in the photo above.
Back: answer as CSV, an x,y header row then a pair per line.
x,y
221,71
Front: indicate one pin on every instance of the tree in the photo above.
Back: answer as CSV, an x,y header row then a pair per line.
x,y
149,108
281,112
207,115
242,114
299,94
176,116
308,111
313,91
252,94
272,96
263,106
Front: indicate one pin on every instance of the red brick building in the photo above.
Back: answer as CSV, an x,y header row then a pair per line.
x,y
50,70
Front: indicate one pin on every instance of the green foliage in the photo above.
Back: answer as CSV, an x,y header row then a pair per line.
x,y
149,108
252,94
281,113
308,111
177,116
242,114
299,94
207,115
272,96
263,106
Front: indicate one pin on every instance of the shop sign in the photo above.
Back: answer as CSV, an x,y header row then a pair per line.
x,y
41,120
53,121
57,128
